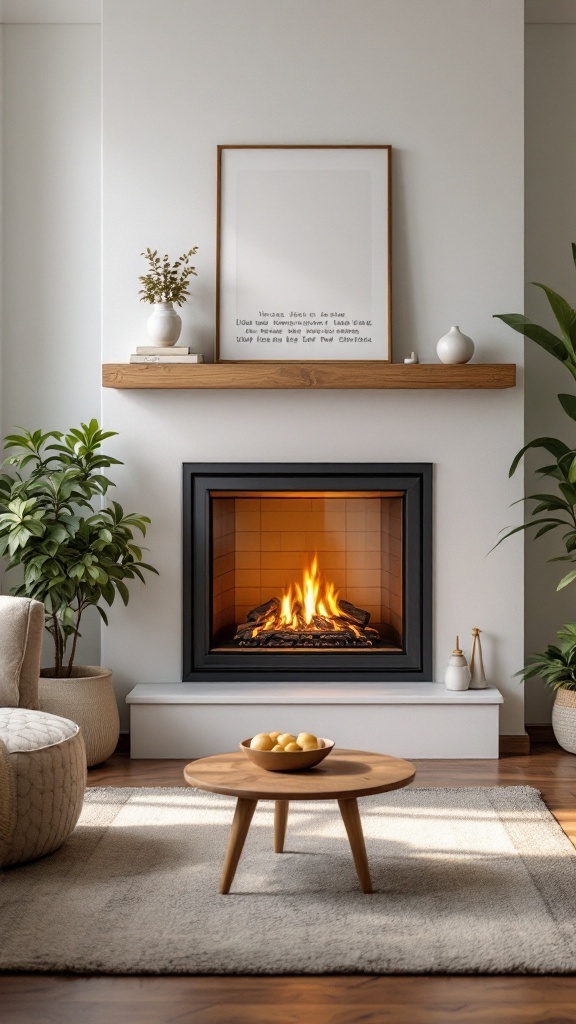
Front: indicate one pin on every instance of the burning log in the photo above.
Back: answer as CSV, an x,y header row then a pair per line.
x,y
309,639
307,615
264,611
356,615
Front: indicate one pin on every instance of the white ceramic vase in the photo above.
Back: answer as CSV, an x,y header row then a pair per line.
x,y
455,347
457,675
164,325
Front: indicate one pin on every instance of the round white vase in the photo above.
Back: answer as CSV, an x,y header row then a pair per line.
x,y
164,325
457,675
455,347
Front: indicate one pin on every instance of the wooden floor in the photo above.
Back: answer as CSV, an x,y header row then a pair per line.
x,y
53,999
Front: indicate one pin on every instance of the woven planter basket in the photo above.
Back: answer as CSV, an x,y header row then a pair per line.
x,y
564,719
88,699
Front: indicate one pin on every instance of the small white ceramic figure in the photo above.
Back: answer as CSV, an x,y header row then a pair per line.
x,y
455,347
457,672
413,358
477,673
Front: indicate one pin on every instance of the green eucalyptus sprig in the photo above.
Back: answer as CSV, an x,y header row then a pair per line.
x,y
72,556
166,281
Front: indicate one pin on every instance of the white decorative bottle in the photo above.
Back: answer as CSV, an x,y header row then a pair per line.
x,y
455,347
457,672
164,325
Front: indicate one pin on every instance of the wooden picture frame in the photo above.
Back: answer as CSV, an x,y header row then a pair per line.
x,y
303,253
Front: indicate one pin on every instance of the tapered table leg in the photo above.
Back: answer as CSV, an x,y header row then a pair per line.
x,y
240,825
280,820
351,818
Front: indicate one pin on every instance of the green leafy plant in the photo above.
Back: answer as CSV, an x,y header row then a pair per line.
x,y
557,510
166,281
557,665
73,556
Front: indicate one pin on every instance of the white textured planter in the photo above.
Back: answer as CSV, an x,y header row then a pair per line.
x,y
88,699
164,325
564,719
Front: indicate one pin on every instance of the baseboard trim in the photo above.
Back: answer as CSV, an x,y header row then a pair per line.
x,y
123,745
541,734
507,744
515,744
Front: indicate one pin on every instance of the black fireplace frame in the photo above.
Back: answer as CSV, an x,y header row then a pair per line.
x,y
412,664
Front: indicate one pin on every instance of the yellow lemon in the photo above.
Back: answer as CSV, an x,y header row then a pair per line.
x,y
274,736
261,742
306,737
284,738
309,746
277,747
292,747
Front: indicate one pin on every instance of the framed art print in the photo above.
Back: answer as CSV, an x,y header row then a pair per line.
x,y
303,257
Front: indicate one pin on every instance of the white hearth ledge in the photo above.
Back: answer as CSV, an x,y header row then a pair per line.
x,y
413,720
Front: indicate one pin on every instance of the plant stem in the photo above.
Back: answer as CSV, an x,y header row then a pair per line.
x,y
57,648
75,641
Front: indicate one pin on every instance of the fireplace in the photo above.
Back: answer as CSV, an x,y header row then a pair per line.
x,y
307,572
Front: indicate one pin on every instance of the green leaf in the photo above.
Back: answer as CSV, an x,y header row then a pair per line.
x,y
526,526
568,403
569,492
566,580
550,444
548,341
565,316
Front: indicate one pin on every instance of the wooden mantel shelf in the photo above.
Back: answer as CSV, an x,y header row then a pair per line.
x,y
353,374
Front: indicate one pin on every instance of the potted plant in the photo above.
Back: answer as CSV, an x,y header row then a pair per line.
x,y
164,284
557,667
73,555
555,510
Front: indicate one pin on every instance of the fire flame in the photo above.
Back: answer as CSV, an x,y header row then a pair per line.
x,y
310,606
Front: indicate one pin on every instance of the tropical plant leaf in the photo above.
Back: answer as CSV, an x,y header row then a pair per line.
x,y
548,341
568,403
569,578
556,448
526,526
565,316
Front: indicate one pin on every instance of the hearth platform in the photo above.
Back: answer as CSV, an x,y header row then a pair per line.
x,y
410,720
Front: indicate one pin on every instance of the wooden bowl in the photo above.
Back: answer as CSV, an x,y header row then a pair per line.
x,y
286,760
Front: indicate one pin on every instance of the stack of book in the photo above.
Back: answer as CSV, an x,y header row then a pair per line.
x,y
173,354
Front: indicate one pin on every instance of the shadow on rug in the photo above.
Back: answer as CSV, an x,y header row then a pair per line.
x,y
466,881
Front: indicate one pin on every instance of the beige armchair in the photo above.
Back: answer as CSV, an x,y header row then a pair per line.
x,y
42,756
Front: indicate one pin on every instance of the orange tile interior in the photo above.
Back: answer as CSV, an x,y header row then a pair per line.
x,y
261,545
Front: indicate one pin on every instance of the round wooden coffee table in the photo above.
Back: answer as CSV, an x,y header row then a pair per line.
x,y
343,776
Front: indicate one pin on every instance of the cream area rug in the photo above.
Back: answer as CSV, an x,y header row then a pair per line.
x,y
466,881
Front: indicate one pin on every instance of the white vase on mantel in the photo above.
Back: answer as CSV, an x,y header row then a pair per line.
x,y
455,347
164,325
457,675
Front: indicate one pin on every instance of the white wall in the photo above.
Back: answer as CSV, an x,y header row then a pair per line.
x,y
51,231
445,88
550,230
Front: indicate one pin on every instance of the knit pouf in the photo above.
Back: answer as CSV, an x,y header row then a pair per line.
x,y
7,802
564,719
44,763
